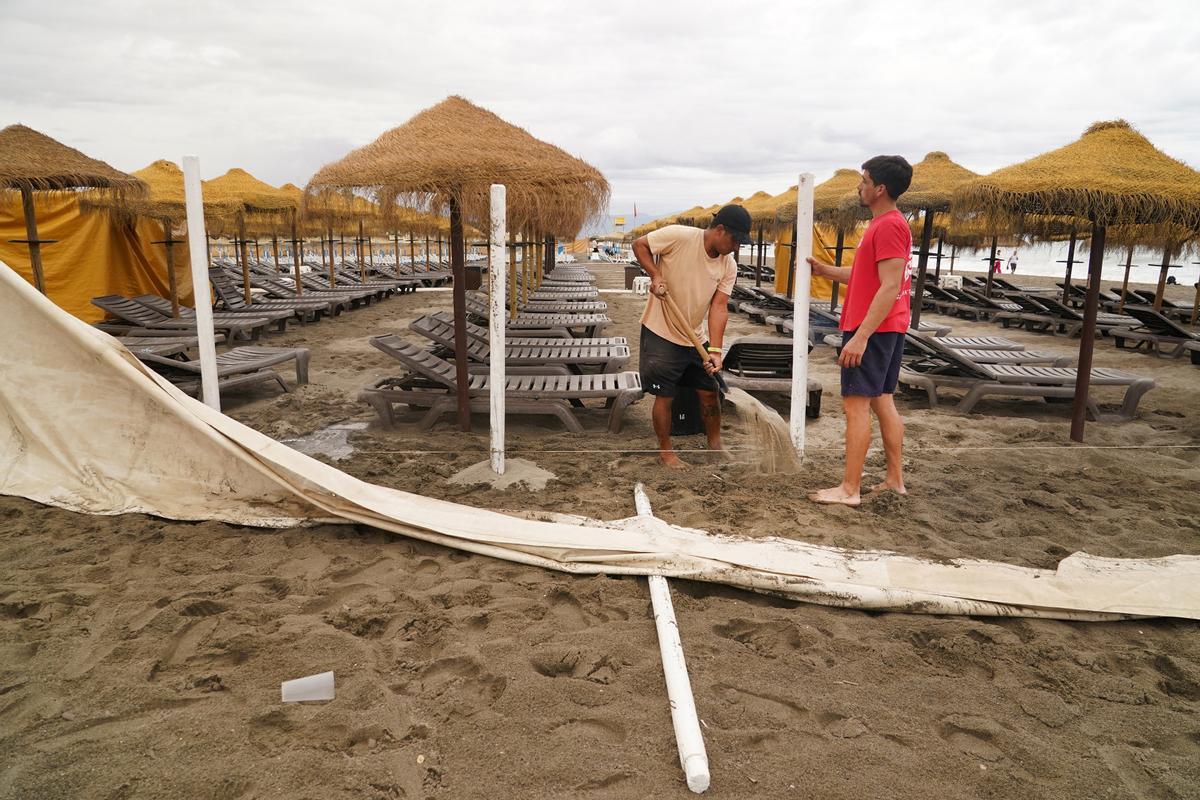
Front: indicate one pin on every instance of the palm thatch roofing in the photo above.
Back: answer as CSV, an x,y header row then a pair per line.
x,y
935,179
1112,175
761,206
455,151
239,188
163,199
34,161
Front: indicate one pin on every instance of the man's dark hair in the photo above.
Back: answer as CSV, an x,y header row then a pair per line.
x,y
892,171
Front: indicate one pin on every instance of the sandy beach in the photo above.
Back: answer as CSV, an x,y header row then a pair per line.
x,y
141,657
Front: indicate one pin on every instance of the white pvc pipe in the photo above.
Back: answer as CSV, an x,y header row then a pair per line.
x,y
200,290
496,317
800,303
692,755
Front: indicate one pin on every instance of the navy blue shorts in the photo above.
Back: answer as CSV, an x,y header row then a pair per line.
x,y
880,367
665,365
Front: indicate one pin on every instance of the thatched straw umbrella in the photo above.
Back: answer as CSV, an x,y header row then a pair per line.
x,y
249,195
33,162
762,207
934,180
448,156
1111,176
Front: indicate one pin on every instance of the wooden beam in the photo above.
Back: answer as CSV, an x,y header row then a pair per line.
x,y
458,266
1087,340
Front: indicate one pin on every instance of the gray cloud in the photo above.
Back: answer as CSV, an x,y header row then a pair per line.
x,y
679,103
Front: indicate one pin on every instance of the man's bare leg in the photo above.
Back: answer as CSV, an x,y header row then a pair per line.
x,y
858,439
660,415
891,427
710,417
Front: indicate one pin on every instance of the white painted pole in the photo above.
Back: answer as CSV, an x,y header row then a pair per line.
x,y
692,755
800,303
200,290
496,317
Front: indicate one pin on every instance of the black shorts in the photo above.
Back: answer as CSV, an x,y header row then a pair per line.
x,y
665,365
880,367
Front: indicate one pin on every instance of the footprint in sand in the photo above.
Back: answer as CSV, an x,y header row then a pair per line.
x,y
973,735
767,639
603,730
461,682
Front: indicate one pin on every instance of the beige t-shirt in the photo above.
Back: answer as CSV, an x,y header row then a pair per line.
x,y
692,280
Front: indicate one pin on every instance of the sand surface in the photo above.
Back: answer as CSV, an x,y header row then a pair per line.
x,y
141,658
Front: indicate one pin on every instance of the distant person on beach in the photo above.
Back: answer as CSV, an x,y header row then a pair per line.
x,y
1012,264
696,267
996,266
875,318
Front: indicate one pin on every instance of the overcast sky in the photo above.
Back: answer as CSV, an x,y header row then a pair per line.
x,y
677,103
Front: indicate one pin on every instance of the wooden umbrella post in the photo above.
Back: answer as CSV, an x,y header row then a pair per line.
x,y
241,221
459,269
758,259
412,248
1163,269
332,277
169,242
31,234
923,264
991,270
275,250
1070,262
937,263
257,255
427,264
297,247
791,273
512,272
1125,280
362,261
548,261
1087,341
838,249
440,256
953,255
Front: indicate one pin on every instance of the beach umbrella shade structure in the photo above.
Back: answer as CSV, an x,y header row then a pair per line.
x,y
447,157
934,181
33,162
1111,176
762,207
835,203
248,196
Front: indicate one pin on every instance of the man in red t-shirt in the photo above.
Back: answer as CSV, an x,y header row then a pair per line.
x,y
874,320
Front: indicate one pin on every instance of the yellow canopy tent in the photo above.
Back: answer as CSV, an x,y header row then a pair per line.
x,y
95,254
835,230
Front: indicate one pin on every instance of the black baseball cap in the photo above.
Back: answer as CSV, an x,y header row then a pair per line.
x,y
736,220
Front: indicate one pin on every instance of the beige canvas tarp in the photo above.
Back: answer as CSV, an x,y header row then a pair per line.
x,y
84,426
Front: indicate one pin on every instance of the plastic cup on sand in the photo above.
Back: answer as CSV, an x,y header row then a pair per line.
x,y
311,687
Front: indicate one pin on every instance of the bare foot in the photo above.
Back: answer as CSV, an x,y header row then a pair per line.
x,y
898,488
836,496
669,459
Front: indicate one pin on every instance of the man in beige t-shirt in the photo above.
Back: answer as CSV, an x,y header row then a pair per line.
x,y
695,268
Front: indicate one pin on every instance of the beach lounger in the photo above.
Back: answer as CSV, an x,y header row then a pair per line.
x,y
588,325
550,306
570,353
284,289
232,325
480,333
432,384
1193,349
1170,308
938,368
313,284
764,364
232,297
162,305
982,355
158,345
241,366
1155,333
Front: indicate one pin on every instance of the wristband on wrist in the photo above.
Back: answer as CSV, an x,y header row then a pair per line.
x,y
717,350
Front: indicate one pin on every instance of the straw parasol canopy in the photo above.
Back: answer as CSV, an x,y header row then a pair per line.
x,y
454,151
33,162
761,206
835,201
239,189
935,179
1112,175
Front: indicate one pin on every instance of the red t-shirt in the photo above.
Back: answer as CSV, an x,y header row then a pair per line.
x,y
887,236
